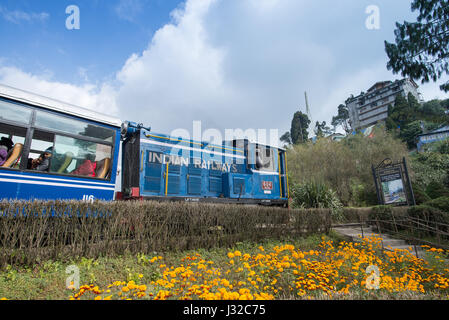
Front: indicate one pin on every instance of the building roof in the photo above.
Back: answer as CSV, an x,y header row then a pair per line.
x,y
379,85
56,105
439,130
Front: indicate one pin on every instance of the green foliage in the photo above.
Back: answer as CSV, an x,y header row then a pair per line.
x,y
441,147
409,134
362,194
342,118
381,213
345,166
436,189
429,215
441,203
316,195
420,194
286,138
322,130
430,166
408,119
421,50
433,108
404,111
298,131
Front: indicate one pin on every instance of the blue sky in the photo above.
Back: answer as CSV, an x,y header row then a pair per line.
x,y
228,63
110,31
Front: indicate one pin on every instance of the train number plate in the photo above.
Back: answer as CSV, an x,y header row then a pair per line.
x,y
267,185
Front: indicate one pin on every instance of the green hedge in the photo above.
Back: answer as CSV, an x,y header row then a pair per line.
x,y
36,231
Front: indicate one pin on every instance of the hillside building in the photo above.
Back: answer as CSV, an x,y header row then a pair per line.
x,y
371,107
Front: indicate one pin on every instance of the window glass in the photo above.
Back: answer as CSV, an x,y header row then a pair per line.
x,y
14,112
17,136
81,158
55,122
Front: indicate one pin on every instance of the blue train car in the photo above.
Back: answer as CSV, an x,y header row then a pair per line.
x,y
157,166
54,150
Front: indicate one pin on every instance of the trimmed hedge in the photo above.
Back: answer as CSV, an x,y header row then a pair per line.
x,y
35,231
441,203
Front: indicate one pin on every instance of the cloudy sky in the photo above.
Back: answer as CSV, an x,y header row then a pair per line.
x,y
228,63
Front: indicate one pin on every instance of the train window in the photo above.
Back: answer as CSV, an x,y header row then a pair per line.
x,y
14,112
71,126
81,158
265,159
17,135
41,143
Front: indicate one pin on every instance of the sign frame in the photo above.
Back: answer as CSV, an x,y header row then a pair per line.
x,y
394,175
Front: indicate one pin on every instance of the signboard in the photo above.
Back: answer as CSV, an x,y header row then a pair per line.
x,y
393,184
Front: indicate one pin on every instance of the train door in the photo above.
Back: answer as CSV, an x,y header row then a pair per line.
x,y
283,174
172,174
152,170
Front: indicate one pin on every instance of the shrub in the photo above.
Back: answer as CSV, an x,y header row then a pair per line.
x,y
388,218
429,167
438,146
420,194
430,216
436,189
345,166
316,195
441,203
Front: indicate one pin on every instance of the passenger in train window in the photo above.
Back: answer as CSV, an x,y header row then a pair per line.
x,y
87,168
43,162
6,146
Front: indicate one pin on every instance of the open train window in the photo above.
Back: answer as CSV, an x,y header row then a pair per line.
x,y
81,157
56,153
16,134
264,159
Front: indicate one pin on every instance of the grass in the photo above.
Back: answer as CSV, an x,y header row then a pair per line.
x,y
47,280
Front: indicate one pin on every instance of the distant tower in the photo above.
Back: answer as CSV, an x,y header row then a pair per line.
x,y
307,107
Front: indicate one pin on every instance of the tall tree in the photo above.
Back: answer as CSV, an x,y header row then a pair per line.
x,y
422,48
342,119
322,130
299,130
404,111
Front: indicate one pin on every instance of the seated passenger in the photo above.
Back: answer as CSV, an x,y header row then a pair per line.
x,y
87,168
43,162
6,146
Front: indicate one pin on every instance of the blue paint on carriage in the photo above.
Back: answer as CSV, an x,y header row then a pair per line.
x,y
176,167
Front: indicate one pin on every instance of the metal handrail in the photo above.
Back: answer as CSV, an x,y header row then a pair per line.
x,y
420,226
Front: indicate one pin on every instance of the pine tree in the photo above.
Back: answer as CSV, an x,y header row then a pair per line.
x,y
342,119
298,131
421,50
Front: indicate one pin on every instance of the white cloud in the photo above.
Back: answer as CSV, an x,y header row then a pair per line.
x,y
101,99
237,64
18,16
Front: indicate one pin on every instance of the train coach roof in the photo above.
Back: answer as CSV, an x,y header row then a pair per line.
x,y
56,105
